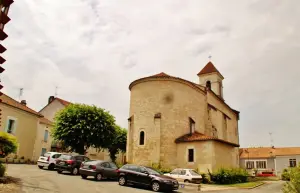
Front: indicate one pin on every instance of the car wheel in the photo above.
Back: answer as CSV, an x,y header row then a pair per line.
x,y
155,186
98,177
122,181
83,176
51,167
59,171
186,181
41,167
75,171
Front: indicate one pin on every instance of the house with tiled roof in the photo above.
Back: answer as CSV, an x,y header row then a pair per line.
x,y
54,105
269,159
178,123
31,128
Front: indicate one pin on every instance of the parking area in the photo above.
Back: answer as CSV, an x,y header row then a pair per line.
x,y
45,181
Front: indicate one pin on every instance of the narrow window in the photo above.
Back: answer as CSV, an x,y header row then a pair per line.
x,y
293,163
142,138
250,164
191,155
261,164
192,126
208,85
46,135
10,126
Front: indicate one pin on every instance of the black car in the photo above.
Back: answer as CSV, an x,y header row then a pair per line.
x,y
70,163
99,170
142,175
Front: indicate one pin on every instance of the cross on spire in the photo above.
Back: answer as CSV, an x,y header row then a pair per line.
x,y
209,57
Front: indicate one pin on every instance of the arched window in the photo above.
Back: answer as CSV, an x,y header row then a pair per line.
x,y
208,84
142,138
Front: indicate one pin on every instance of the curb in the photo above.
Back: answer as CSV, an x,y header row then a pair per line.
x,y
262,183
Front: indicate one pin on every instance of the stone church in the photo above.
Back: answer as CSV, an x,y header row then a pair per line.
x,y
177,123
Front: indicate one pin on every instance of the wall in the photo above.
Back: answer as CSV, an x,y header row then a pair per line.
x,y
203,155
224,156
282,162
176,102
49,113
50,110
270,163
39,142
215,80
217,119
26,128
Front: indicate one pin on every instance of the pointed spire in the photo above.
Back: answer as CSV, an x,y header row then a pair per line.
x,y
209,68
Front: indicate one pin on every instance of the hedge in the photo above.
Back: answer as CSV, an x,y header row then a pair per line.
x,y
230,176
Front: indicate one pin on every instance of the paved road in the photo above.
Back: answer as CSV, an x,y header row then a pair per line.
x,y
35,180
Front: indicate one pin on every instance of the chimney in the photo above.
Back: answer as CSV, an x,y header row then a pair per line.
x,y
51,98
23,102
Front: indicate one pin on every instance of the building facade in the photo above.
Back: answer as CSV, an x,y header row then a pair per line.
x,y
56,104
269,159
176,123
26,125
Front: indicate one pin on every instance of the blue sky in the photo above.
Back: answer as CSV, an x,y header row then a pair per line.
x,y
93,49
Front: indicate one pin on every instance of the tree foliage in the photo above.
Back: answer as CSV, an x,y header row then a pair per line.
x,y
293,185
118,144
82,126
8,144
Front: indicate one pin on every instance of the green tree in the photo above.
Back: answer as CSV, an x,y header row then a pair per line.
x,y
118,144
293,186
8,144
82,126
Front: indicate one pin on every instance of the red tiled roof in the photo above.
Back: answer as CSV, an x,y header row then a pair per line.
x,y
13,103
201,137
266,152
209,68
64,102
165,76
46,121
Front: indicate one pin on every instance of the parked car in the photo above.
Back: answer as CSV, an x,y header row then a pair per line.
x,y
185,175
48,160
141,175
99,169
70,163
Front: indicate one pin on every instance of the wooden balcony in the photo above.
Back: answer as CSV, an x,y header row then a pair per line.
x,y
2,49
3,35
4,18
2,60
6,3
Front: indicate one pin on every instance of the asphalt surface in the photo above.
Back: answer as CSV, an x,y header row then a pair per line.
x,y
35,180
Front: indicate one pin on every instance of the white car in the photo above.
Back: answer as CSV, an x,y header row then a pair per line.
x,y
185,175
48,160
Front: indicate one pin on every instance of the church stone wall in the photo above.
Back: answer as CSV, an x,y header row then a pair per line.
x,y
176,102
232,124
224,156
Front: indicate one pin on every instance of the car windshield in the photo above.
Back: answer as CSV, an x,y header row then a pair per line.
x,y
153,172
194,173
65,157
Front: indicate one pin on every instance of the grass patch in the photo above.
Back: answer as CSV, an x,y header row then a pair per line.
x,y
255,179
245,185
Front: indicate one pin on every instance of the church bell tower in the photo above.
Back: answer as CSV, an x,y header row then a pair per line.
x,y
211,78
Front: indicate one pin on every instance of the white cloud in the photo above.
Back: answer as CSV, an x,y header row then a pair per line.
x,y
93,49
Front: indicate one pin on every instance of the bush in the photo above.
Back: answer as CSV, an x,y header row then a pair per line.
x,y
285,175
8,144
293,186
2,170
158,168
205,178
230,176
